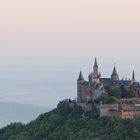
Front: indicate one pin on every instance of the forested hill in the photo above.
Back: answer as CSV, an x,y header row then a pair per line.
x,y
65,123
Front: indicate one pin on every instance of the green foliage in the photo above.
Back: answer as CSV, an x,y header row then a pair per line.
x,y
131,93
106,99
121,92
128,92
72,123
115,92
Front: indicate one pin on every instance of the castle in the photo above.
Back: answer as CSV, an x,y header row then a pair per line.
x,y
89,91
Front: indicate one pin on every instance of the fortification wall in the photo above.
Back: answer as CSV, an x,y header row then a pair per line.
x,y
108,110
86,106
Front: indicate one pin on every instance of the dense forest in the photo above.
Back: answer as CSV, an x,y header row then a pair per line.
x,y
65,123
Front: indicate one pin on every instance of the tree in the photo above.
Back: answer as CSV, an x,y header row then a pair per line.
x,y
131,93
57,125
115,92
106,99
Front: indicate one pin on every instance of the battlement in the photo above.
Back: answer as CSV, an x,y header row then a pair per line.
x,y
124,108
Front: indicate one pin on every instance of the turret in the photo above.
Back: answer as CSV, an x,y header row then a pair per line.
x,y
80,78
95,75
80,82
133,77
114,76
95,68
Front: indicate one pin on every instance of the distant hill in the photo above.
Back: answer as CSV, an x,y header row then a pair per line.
x,y
13,112
66,123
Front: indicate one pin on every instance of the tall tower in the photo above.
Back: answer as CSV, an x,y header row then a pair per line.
x,y
114,76
95,77
80,82
95,69
133,77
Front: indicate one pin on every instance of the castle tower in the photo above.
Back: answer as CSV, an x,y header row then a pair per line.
x,y
80,82
95,77
114,76
133,77
95,69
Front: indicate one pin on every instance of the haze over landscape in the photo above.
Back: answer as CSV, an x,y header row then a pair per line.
x,y
43,45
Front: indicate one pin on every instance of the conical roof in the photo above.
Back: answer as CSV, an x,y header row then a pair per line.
x,y
95,63
80,76
114,71
133,76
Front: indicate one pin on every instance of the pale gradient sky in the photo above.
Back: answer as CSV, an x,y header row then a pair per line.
x,y
64,35
40,27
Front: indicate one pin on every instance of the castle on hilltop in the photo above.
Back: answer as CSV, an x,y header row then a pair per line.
x,y
88,91
91,91
110,96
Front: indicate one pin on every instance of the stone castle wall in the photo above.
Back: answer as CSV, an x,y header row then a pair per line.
x,y
86,106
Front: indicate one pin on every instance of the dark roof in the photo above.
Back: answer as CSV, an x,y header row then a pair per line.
x,y
97,87
133,77
100,87
105,80
114,71
95,63
119,82
80,76
122,82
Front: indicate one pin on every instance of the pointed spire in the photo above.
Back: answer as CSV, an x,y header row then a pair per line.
x,y
95,63
80,76
114,71
133,76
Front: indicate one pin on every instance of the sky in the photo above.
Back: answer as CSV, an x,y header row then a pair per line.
x,y
50,37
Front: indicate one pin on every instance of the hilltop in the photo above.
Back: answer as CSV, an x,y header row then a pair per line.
x,y
72,123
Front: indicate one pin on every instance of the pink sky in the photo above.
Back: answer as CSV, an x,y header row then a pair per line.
x,y
52,29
